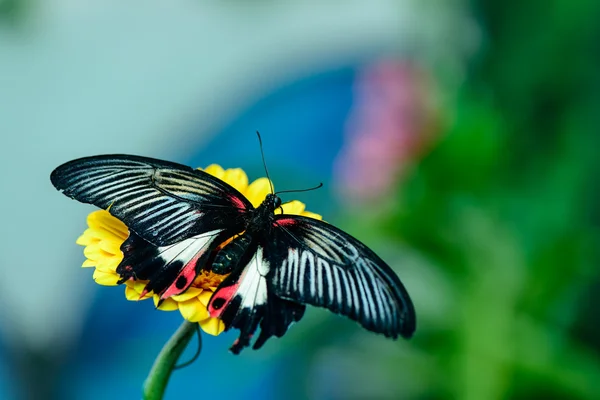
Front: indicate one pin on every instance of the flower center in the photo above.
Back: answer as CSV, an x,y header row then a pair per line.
x,y
207,279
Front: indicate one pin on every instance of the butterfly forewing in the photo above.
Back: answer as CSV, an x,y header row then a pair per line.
x,y
177,214
163,202
315,263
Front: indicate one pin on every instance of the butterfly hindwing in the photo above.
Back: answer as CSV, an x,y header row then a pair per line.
x,y
240,300
163,202
245,299
315,263
171,269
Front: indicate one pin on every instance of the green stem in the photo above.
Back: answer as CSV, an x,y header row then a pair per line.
x,y
158,378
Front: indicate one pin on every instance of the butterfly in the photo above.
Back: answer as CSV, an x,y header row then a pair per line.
x,y
179,217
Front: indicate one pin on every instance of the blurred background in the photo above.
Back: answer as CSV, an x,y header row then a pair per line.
x,y
458,139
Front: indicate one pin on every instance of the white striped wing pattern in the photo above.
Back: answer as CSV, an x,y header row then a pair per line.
x,y
318,264
163,202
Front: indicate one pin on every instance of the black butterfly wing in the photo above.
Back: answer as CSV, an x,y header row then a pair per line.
x,y
245,298
305,261
163,202
170,269
177,215
312,262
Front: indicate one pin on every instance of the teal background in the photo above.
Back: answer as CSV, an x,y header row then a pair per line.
x,y
491,220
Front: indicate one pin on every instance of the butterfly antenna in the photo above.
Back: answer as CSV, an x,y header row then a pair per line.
x,y
198,350
262,153
320,185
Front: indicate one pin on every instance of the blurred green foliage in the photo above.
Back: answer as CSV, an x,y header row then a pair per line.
x,y
504,210
13,11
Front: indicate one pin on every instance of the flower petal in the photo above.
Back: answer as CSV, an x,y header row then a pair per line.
x,y
212,326
166,305
88,263
190,293
104,220
86,238
98,234
257,191
293,207
193,310
111,247
92,251
311,215
204,298
133,290
108,265
215,170
237,178
131,294
105,278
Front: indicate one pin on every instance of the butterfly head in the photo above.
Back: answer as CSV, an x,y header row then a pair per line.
x,y
272,201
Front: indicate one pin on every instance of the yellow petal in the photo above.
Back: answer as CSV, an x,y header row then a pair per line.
x,y
108,265
110,246
215,170
131,294
293,207
98,234
134,289
102,219
190,293
86,238
138,286
311,215
166,305
296,207
212,326
193,310
237,178
105,278
88,263
257,191
92,251
204,298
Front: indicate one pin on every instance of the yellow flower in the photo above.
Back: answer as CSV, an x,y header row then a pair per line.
x,y
105,235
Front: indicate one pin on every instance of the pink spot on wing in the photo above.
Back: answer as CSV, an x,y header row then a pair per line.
x,y
224,294
144,292
188,273
237,202
285,222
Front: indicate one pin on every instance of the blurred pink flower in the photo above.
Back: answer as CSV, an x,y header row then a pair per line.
x,y
391,123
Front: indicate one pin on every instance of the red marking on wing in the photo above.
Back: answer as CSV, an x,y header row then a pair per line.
x,y
237,202
237,341
188,272
285,221
144,292
225,294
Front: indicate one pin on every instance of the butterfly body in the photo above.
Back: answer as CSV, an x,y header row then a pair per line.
x,y
179,219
